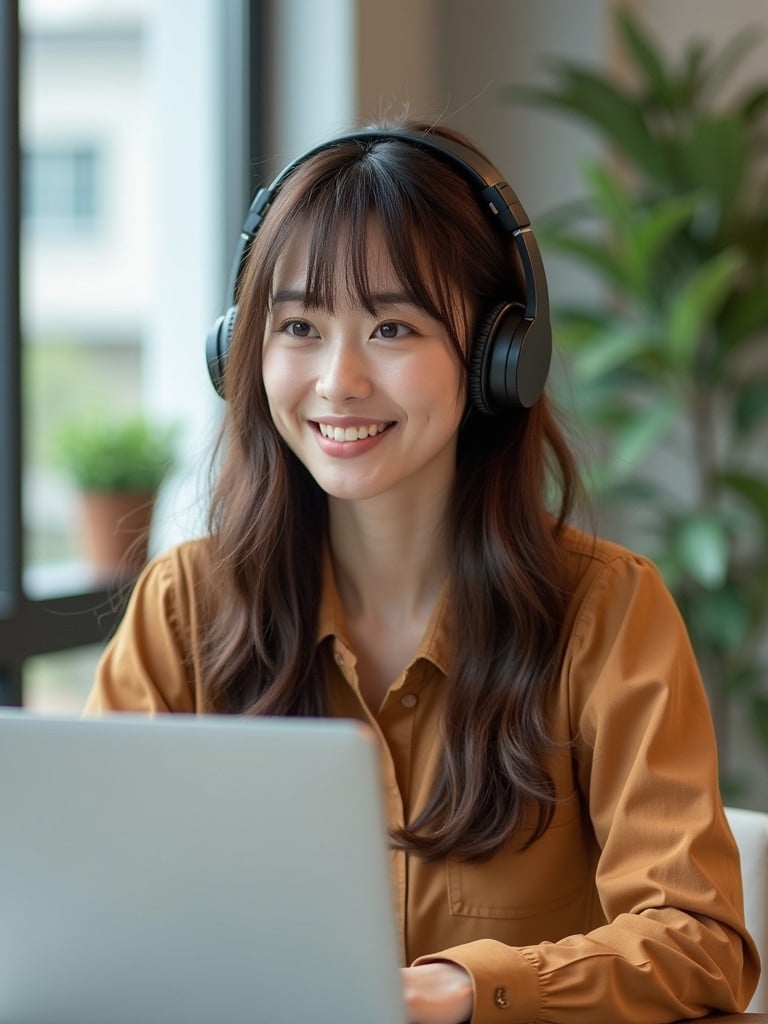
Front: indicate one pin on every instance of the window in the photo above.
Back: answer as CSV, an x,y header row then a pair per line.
x,y
116,230
61,187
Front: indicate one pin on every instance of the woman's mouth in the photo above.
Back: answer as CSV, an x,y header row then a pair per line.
x,y
334,433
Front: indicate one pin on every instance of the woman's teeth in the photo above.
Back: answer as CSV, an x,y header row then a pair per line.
x,y
350,433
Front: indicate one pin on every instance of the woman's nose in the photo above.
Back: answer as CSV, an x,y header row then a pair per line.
x,y
344,373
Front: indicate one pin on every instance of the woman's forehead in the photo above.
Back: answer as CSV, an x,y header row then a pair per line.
x,y
351,263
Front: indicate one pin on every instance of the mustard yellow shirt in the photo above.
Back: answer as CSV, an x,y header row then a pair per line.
x,y
629,908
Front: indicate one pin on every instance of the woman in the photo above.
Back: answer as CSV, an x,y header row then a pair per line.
x,y
389,541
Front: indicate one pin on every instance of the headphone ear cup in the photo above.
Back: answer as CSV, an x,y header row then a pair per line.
x,y
510,360
488,350
217,348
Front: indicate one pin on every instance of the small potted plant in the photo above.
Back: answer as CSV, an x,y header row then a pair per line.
x,y
118,467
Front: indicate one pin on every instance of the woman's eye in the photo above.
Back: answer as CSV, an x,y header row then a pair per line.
x,y
391,329
299,329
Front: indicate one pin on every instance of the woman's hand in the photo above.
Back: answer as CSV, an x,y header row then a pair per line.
x,y
439,993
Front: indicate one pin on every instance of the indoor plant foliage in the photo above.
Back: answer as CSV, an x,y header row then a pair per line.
x,y
130,455
118,467
668,364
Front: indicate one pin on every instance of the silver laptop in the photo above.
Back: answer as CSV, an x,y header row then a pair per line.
x,y
182,870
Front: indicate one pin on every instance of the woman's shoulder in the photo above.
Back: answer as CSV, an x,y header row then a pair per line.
x,y
190,557
605,572
589,554
181,570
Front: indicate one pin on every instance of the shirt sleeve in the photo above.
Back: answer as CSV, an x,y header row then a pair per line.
x,y
674,945
149,666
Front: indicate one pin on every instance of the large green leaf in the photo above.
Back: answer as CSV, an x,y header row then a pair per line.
x,y
609,194
617,345
713,157
650,235
744,680
633,489
718,619
612,483
751,407
648,58
702,548
598,100
641,435
696,304
579,317
753,106
575,333
598,255
564,216
759,716
745,315
693,70
752,489
749,229
640,230
603,407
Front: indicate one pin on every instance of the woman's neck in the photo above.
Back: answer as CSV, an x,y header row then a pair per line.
x,y
390,566
389,562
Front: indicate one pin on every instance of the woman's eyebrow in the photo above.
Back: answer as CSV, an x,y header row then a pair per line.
x,y
289,295
378,300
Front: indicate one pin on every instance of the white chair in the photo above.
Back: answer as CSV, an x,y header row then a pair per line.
x,y
750,830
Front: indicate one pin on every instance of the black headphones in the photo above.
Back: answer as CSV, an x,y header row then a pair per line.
x,y
513,349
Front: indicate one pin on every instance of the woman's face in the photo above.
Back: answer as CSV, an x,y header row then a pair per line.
x,y
370,404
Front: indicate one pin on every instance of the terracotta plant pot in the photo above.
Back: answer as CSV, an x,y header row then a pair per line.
x,y
114,531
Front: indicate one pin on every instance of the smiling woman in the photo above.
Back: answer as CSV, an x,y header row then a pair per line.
x,y
389,541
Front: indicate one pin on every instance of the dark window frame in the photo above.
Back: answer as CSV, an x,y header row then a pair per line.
x,y
33,626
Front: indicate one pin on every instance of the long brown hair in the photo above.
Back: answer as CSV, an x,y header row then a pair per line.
x,y
268,518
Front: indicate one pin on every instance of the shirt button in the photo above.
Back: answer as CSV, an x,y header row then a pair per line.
x,y
338,657
500,998
409,700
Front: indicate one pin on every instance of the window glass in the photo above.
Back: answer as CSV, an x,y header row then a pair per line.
x,y
134,180
62,187
122,263
60,683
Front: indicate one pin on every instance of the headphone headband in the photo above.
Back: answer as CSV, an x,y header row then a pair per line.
x,y
514,377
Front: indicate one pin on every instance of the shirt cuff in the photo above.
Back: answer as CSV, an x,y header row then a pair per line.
x,y
505,982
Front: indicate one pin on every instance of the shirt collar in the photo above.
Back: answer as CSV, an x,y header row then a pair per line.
x,y
435,644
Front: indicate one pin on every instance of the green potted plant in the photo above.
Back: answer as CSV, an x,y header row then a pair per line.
x,y
668,359
118,467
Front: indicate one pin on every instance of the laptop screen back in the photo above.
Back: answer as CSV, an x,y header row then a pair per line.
x,y
183,870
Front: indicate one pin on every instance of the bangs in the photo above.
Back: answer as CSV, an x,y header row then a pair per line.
x,y
336,220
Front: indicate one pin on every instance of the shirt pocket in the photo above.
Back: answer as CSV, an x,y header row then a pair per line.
x,y
519,883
